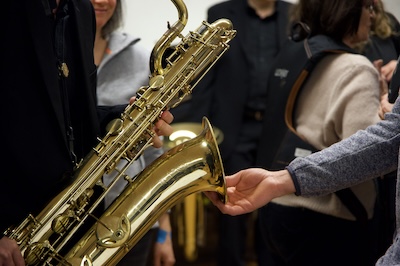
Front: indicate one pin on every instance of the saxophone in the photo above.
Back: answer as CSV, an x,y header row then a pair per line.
x,y
70,230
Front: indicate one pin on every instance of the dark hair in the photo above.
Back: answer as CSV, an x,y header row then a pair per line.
x,y
115,21
334,18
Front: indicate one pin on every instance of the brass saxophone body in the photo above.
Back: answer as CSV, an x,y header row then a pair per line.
x,y
57,235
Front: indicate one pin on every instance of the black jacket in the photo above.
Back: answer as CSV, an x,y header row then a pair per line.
x,y
36,157
221,95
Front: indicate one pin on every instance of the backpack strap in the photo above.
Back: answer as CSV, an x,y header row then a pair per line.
x,y
316,48
291,144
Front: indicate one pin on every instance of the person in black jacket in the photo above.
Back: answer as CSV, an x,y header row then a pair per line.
x,y
232,96
49,105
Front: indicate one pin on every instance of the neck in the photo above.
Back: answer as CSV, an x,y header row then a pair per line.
x,y
100,45
349,41
263,8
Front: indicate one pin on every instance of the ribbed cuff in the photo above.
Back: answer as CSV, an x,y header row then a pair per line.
x,y
295,182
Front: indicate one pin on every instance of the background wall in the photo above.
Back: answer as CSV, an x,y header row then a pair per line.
x,y
148,19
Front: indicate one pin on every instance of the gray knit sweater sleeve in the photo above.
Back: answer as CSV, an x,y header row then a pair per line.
x,y
367,154
364,155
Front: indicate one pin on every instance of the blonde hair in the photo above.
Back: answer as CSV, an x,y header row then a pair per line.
x,y
382,26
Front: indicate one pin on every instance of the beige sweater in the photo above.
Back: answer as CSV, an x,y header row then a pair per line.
x,y
340,97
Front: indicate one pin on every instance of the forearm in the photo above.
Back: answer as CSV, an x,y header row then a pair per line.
x,y
164,222
365,155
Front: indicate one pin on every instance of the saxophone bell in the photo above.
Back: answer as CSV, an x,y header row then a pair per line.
x,y
193,166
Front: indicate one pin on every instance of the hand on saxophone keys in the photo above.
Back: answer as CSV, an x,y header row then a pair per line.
x,y
162,127
10,253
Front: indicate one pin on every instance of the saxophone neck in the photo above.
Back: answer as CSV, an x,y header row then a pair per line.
x,y
165,41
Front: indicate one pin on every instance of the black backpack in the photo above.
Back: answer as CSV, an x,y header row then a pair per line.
x,y
280,142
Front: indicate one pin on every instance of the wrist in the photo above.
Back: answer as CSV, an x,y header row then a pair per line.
x,y
162,236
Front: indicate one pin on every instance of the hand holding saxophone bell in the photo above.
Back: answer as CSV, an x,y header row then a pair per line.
x,y
68,231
